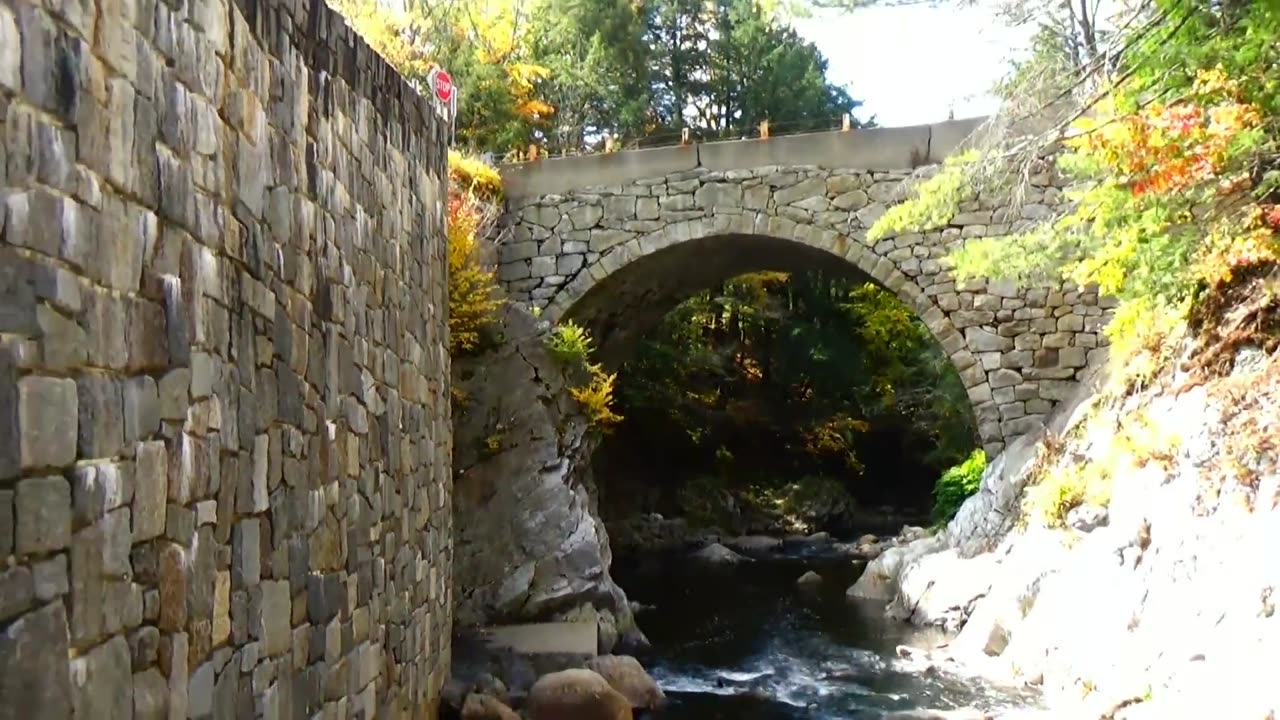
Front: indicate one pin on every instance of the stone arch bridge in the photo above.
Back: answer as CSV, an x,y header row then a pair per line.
x,y
615,241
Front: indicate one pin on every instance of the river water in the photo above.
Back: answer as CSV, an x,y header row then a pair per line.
x,y
744,642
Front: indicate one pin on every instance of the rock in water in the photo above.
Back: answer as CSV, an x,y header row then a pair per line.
x,y
809,581
576,694
625,674
880,580
480,706
717,554
754,544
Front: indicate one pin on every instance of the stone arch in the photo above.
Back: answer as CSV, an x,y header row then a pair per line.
x,y
1017,350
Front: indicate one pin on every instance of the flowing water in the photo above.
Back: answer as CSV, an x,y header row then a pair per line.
x,y
744,642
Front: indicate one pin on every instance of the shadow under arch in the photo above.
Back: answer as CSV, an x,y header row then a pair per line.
x,y
628,291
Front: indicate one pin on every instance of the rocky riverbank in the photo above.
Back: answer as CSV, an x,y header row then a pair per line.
x,y
1125,561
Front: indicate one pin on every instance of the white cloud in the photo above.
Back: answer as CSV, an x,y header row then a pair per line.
x,y
913,64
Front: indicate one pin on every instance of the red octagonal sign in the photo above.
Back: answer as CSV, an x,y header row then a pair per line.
x,y
443,85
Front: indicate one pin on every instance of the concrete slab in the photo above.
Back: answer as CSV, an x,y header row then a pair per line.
x,y
952,136
562,174
554,638
899,148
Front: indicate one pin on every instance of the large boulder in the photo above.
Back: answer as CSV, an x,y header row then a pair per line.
x,y
480,706
942,589
625,674
879,581
717,555
576,694
528,539
754,544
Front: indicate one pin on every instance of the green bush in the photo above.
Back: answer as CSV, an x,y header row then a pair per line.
x,y
957,484
569,343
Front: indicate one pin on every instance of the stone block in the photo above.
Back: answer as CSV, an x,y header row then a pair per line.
x,y
100,565
18,313
1038,406
47,421
174,577
246,557
180,524
1057,340
1004,377
50,578
542,266
17,592
969,318
62,341
1071,323
1027,341
100,407
275,610
100,488
42,507
102,681
150,695
10,52
326,597
150,490
35,676
980,340
144,647
149,336
1073,357
1016,359
6,523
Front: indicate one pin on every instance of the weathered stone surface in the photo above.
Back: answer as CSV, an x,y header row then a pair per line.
x,y
141,408
100,488
101,407
100,566
47,421
275,611
527,498
35,676
42,507
150,490
102,682
17,592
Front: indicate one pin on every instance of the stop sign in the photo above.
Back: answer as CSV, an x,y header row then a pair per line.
x,y
443,85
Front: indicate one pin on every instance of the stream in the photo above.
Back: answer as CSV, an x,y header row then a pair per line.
x,y
745,642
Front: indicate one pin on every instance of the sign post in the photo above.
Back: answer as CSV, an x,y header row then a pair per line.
x,y
446,94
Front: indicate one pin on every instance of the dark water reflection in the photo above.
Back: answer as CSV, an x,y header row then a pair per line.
x,y
746,643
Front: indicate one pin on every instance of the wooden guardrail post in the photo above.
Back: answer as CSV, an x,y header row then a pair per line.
x,y
533,152
845,123
608,143
684,136
764,129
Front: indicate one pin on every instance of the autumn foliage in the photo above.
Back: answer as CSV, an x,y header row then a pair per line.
x,y
474,297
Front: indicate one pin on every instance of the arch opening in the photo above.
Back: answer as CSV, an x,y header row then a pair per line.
x,y
775,415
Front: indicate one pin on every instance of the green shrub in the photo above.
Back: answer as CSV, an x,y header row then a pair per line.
x,y
957,484
569,343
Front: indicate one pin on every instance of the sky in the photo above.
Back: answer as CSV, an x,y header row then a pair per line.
x,y
911,65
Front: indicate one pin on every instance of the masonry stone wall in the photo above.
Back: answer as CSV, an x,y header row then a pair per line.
x,y
1018,350
224,443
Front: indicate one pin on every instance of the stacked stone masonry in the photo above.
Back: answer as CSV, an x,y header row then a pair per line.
x,y
225,443
1018,350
